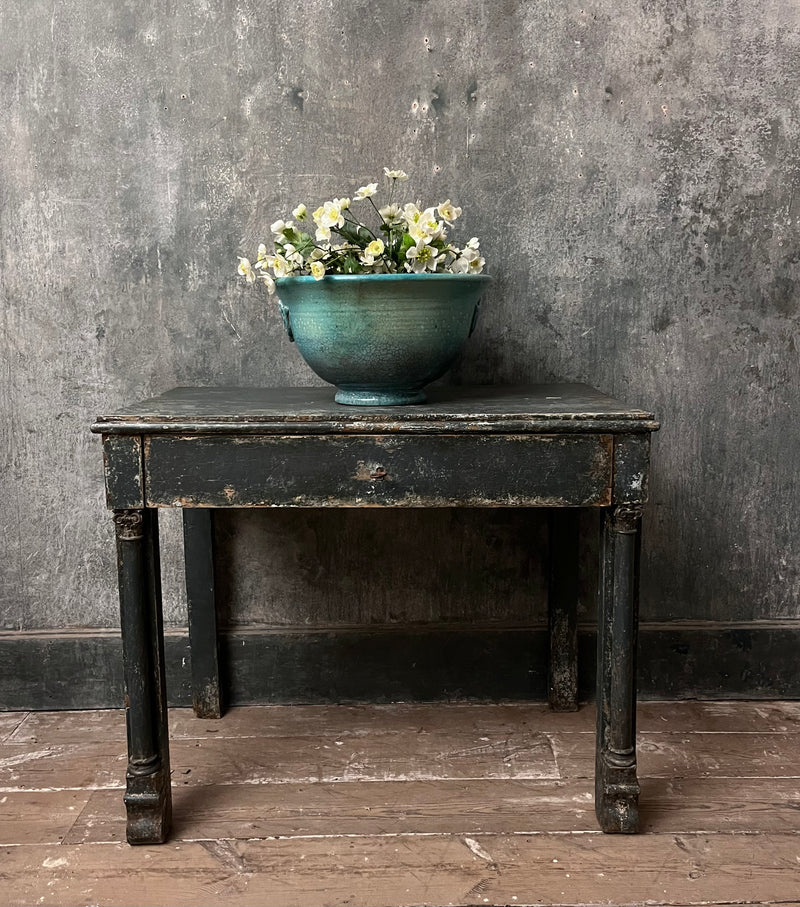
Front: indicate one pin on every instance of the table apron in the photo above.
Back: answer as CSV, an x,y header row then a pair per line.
x,y
377,470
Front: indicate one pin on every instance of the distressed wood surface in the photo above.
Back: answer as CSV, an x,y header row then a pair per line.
x,y
76,766
443,469
42,816
669,755
122,460
505,806
720,808
255,760
10,723
313,410
495,751
403,807
356,721
430,870
334,471
704,719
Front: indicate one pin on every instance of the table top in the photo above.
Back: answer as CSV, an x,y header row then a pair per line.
x,y
312,410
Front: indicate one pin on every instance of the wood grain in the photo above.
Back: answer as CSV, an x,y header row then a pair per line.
x,y
717,755
424,811
447,807
44,766
423,756
10,723
254,760
356,808
681,869
39,817
719,717
398,718
312,720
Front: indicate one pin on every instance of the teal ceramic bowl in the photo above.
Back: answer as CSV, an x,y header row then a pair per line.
x,y
380,338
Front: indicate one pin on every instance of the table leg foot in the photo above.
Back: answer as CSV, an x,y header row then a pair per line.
x,y
616,796
149,807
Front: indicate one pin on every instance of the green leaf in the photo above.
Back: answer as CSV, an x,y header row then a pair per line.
x,y
405,244
304,244
357,235
351,265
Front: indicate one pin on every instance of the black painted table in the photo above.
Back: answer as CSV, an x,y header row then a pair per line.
x,y
563,446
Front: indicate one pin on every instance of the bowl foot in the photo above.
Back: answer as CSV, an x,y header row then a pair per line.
x,y
378,398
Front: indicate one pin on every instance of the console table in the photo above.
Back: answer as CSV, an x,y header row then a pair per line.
x,y
561,446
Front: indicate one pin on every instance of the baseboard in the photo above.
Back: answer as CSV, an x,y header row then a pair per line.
x,y
83,669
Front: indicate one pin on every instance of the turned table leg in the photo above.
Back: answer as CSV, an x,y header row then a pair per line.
x,y
148,797
198,546
616,784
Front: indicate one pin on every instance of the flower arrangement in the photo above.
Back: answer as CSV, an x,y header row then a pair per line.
x,y
403,238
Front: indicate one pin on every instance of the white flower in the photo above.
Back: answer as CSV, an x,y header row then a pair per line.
x,y
421,257
280,227
372,251
448,212
310,249
292,255
423,225
411,213
246,269
392,214
280,266
413,216
399,175
469,262
366,191
330,214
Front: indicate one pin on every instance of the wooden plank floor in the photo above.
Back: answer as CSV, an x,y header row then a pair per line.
x,y
406,805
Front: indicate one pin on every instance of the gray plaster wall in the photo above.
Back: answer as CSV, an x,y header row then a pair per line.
x,y
633,172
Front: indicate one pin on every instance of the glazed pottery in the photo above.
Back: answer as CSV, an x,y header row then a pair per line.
x,y
380,338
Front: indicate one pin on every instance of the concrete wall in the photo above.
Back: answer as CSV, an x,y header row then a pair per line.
x,y
633,171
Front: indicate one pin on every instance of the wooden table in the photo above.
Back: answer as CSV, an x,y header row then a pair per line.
x,y
562,446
